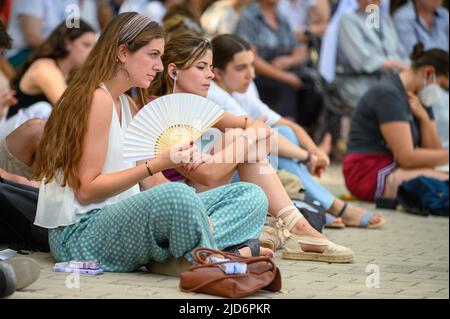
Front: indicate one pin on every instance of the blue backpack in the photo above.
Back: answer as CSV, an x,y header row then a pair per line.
x,y
424,196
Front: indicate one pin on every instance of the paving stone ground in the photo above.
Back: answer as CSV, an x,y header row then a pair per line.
x,y
408,258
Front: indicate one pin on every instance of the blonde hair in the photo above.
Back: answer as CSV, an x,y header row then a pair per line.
x,y
62,143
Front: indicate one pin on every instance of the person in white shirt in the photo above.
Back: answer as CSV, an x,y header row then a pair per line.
x,y
90,199
233,63
306,15
222,16
153,9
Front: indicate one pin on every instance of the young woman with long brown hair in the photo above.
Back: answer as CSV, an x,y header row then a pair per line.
x,y
89,198
188,69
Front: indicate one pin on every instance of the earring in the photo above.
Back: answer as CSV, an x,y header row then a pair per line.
x,y
174,84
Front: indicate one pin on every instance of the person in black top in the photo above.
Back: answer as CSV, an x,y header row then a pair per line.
x,y
393,136
44,76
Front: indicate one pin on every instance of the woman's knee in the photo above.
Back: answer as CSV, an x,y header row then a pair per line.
x,y
253,195
177,198
31,128
170,191
29,133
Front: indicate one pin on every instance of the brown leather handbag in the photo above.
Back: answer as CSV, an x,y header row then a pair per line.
x,y
209,278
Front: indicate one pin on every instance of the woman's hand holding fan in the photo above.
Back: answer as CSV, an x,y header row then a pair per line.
x,y
197,160
170,120
179,155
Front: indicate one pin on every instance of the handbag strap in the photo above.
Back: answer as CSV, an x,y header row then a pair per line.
x,y
234,258
197,254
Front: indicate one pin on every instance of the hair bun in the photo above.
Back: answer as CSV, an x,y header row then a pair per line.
x,y
418,51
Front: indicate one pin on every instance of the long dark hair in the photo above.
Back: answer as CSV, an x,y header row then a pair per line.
x,y
436,58
5,39
225,46
54,47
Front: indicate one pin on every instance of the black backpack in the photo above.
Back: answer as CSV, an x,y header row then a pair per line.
x,y
18,204
313,211
424,196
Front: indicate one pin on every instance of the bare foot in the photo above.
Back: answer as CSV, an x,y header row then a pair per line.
x,y
265,252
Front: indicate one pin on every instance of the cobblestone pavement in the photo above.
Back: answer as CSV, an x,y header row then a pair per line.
x,y
409,256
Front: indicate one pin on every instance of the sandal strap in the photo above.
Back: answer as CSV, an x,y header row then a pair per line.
x,y
331,249
284,210
253,244
342,210
365,219
309,240
291,218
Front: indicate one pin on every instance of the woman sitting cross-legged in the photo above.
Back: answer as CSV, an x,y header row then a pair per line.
x,y
90,199
393,137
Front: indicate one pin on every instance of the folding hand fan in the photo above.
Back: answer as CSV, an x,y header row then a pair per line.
x,y
166,121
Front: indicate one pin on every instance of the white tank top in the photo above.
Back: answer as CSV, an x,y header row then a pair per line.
x,y
58,206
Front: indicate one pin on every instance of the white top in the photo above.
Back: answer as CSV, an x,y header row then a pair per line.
x,y
242,104
220,18
297,13
50,12
89,13
58,206
441,116
40,110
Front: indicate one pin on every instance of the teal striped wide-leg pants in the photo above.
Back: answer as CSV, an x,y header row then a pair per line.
x,y
166,220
